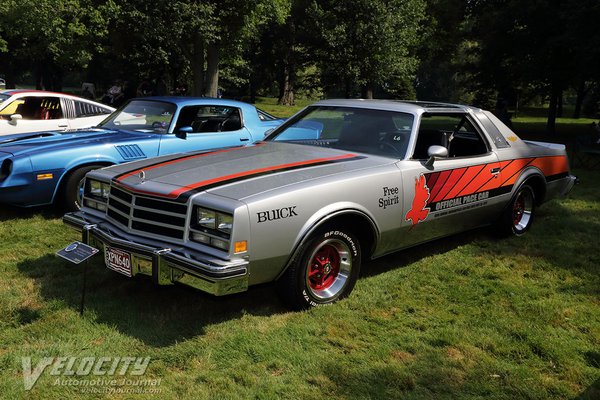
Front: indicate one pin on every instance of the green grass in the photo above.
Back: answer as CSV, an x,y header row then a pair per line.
x,y
470,316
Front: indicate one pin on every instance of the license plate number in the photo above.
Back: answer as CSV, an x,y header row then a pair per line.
x,y
118,260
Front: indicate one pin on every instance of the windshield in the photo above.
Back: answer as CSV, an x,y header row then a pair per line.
x,y
142,116
378,132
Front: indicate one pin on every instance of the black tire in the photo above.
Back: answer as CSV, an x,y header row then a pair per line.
x,y
518,216
72,186
325,270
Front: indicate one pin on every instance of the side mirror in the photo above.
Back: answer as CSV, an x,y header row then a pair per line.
x,y
183,132
435,151
14,118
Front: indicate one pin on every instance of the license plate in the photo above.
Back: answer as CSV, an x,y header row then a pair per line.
x,y
118,260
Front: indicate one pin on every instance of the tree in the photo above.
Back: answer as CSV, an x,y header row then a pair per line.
x,y
52,36
367,44
540,45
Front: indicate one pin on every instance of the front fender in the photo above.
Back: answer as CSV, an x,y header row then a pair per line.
x,y
82,162
328,214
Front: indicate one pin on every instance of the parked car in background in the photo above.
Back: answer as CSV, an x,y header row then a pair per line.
x,y
37,111
48,167
342,181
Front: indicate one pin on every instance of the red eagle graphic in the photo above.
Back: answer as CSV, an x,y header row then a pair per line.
x,y
419,212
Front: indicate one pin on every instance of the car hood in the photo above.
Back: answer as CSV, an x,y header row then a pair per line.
x,y
23,143
237,172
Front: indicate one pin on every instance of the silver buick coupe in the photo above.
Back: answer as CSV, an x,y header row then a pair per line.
x,y
340,182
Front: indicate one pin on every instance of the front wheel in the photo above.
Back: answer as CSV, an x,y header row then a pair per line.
x,y
324,271
518,217
72,190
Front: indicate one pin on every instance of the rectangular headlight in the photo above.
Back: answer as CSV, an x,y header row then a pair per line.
x,y
206,218
224,223
98,190
211,227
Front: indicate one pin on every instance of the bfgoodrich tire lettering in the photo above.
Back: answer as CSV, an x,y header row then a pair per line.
x,y
324,271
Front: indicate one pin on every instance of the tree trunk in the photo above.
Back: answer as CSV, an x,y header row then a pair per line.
x,y
559,106
212,70
551,125
198,66
286,89
367,92
581,93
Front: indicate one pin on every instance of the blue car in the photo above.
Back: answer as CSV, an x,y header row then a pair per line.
x,y
49,167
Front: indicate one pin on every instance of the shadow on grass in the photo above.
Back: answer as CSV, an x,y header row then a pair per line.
x,y
591,393
11,212
158,316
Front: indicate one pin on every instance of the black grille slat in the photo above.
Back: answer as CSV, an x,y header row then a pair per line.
x,y
161,205
117,217
157,230
119,206
121,194
162,218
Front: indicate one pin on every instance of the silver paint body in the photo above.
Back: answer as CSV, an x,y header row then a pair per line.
x,y
318,193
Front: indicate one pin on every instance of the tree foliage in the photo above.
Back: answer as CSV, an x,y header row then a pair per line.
x,y
477,51
52,36
367,43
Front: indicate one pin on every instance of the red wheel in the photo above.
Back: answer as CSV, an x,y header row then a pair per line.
x,y
325,270
518,217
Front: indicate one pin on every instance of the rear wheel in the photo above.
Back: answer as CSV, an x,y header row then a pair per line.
x,y
325,270
72,190
518,217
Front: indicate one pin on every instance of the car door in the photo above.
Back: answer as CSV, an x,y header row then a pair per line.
x,y
454,193
206,127
37,113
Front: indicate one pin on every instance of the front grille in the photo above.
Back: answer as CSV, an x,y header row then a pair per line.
x,y
146,215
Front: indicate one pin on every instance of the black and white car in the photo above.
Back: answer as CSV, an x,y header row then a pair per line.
x,y
23,111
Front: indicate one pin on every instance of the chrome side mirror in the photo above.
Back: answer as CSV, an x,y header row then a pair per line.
x,y
435,151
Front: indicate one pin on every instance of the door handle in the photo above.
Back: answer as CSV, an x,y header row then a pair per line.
x,y
495,171
63,126
244,139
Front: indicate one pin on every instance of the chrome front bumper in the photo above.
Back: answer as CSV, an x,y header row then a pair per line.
x,y
167,266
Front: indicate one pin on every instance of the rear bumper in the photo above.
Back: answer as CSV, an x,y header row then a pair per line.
x,y
572,180
167,266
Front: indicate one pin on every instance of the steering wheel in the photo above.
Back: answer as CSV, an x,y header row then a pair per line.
x,y
158,125
392,142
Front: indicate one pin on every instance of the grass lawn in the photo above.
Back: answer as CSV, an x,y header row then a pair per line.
x,y
470,316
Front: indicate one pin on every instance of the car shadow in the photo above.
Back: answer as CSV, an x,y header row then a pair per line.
x,y
591,393
403,258
157,315
8,212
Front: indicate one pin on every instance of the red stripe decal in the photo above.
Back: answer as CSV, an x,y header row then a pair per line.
x,y
137,171
193,186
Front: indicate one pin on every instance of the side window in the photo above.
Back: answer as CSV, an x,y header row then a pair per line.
x,y
456,132
39,108
210,119
83,109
